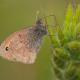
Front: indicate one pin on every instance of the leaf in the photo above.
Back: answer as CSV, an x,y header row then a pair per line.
x,y
75,21
70,72
67,22
74,49
62,53
77,31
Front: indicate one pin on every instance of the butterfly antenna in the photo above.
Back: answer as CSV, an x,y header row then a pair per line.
x,y
52,44
46,24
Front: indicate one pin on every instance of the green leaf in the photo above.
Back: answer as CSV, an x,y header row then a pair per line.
x,y
75,21
74,48
62,53
67,22
77,31
70,24
70,71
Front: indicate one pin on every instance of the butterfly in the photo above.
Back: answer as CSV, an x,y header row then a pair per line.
x,y
24,45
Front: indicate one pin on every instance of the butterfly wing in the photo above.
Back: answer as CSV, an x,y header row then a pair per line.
x,y
17,48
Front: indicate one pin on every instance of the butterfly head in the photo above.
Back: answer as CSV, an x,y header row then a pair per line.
x,y
40,27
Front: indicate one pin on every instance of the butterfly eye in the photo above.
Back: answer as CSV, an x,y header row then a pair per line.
x,y
7,48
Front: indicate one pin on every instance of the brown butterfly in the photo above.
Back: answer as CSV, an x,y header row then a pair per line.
x,y
23,46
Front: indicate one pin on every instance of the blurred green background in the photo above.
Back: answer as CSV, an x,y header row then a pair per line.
x,y
14,15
